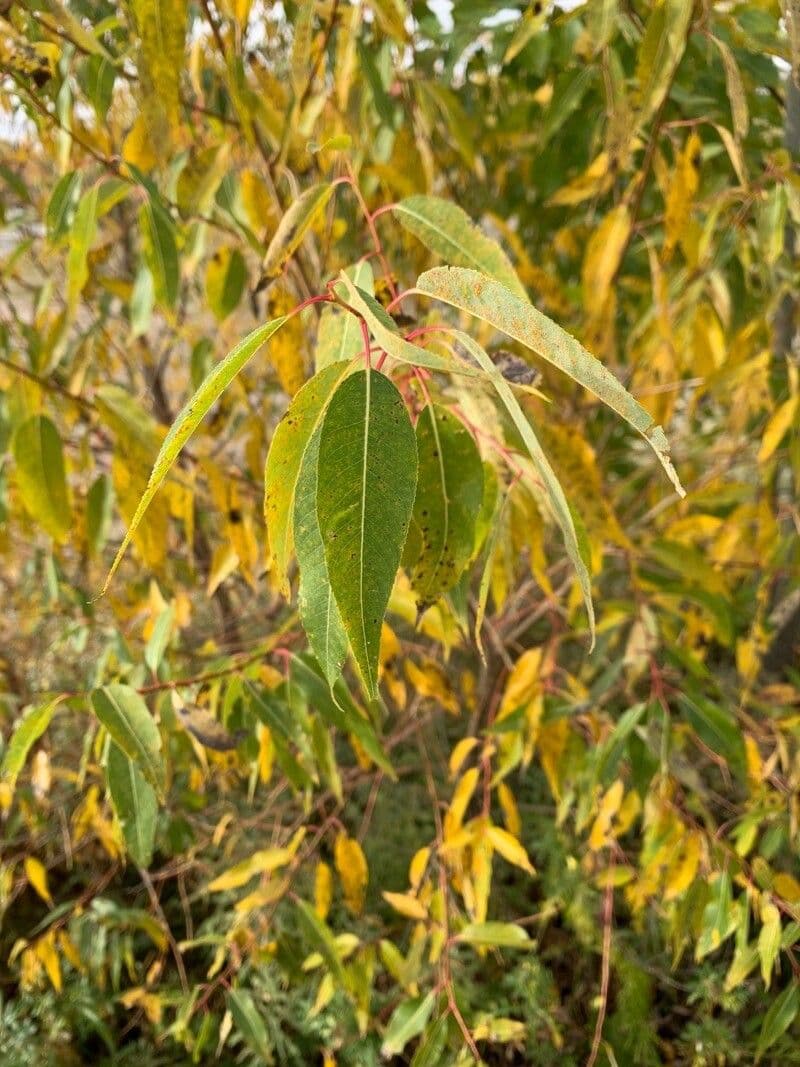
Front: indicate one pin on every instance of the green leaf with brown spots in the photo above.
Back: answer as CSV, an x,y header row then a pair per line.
x,y
441,536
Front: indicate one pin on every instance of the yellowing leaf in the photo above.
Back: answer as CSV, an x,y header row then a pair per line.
x,y
36,874
603,256
609,806
323,889
683,186
431,682
351,866
779,423
460,753
406,904
262,862
510,810
509,848
416,869
462,796
48,954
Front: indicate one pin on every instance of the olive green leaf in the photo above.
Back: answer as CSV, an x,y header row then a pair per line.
x,y
285,459
448,231
129,723
160,250
367,476
339,335
41,477
487,299
190,417
293,227
134,802
441,536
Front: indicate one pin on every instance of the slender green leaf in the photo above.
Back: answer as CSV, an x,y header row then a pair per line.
x,y
61,206
226,276
408,1020
552,487
488,300
129,723
660,52
365,494
135,804
99,506
782,1013
448,231
716,727
249,1023
160,250
322,939
190,417
285,460
27,732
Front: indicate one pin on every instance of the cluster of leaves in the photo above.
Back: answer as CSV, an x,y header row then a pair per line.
x,y
425,716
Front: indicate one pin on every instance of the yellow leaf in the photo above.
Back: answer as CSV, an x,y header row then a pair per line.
x,y
462,796
609,806
776,428
266,753
460,753
137,148
510,810
509,848
681,874
683,187
48,954
430,681
417,867
141,998
262,862
603,255
37,876
323,889
787,887
524,682
406,905
260,898
351,866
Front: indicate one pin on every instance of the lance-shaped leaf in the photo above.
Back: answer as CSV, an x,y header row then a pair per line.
x,y
660,52
135,804
285,460
41,476
488,300
189,418
339,335
129,723
576,549
293,227
367,476
441,536
448,231
384,330
249,1023
27,732
84,228
160,250
318,611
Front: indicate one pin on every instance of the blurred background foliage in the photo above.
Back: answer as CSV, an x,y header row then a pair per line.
x,y
577,857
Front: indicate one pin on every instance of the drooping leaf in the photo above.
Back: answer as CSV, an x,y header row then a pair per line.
x,y
318,610
189,418
301,46
129,723
339,334
61,206
449,493
99,505
293,227
81,238
736,94
716,727
134,802
41,477
285,460
160,250
161,25
27,732
322,939
563,514
488,300
660,52
447,230
367,476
